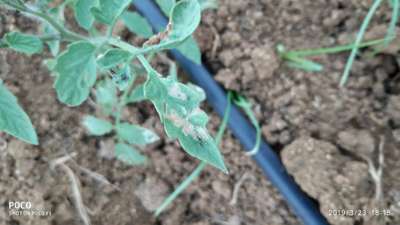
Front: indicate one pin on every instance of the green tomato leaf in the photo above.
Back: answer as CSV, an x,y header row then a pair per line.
x,y
112,58
194,138
97,126
13,119
129,155
83,15
76,68
166,5
106,93
137,24
198,118
184,19
178,107
136,135
187,96
184,98
155,88
109,10
190,49
24,43
106,96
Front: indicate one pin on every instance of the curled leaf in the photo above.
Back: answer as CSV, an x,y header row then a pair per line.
x,y
184,19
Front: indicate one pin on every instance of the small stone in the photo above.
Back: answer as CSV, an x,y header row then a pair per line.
x,y
228,79
152,193
328,176
227,58
24,167
234,220
222,188
396,135
393,108
265,61
285,137
106,149
361,142
277,123
16,149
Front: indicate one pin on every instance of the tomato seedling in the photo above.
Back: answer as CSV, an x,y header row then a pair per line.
x,y
97,63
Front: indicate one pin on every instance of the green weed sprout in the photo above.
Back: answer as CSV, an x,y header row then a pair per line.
x,y
96,63
296,59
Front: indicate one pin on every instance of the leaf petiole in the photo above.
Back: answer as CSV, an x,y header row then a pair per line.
x,y
65,33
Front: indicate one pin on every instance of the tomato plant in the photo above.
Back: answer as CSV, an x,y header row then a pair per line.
x,y
97,63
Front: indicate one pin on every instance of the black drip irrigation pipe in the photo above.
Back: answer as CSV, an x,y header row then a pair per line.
x,y
266,158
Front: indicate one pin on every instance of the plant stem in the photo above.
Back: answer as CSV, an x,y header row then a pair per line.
x,y
50,37
182,186
133,50
126,46
122,102
65,33
110,28
145,64
357,43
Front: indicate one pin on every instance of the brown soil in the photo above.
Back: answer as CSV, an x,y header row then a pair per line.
x,y
325,134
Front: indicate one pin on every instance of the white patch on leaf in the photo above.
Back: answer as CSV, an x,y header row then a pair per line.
x,y
150,136
176,92
188,129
